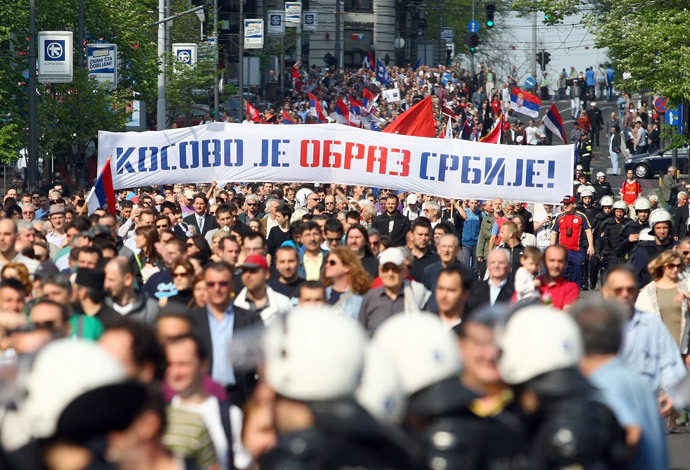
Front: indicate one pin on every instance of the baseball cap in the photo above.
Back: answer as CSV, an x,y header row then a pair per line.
x,y
255,261
579,167
392,255
568,200
412,199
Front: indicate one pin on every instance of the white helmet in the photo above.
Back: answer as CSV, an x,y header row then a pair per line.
x,y
381,392
606,201
422,348
601,174
660,215
620,205
65,369
642,204
314,354
587,193
537,340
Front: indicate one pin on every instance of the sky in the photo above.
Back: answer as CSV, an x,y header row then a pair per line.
x,y
569,44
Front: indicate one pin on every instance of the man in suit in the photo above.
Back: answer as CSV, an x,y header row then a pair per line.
x,y
218,324
511,137
200,220
498,287
680,216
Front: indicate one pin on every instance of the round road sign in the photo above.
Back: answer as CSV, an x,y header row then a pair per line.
x,y
530,83
661,104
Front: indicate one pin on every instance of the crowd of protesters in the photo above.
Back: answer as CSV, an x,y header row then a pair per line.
x,y
283,325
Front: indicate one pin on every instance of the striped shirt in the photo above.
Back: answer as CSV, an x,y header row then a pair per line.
x,y
187,436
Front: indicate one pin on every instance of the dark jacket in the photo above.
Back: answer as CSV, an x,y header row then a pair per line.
x,y
401,225
680,221
145,308
209,223
481,295
245,379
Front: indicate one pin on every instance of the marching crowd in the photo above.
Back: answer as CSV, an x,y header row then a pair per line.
x,y
301,326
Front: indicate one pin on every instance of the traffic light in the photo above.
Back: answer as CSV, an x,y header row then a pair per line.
x,y
543,58
473,42
547,58
490,11
449,54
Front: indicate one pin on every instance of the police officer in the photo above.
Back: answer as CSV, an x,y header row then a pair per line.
x,y
584,151
597,219
660,224
588,208
439,413
602,187
568,427
634,230
313,362
609,235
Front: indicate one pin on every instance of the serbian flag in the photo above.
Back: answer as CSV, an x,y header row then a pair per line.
x,y
254,114
102,193
554,122
465,131
417,121
342,112
286,118
494,135
315,108
369,99
368,62
525,102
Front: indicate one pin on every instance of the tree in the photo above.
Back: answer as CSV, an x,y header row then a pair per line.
x,y
70,114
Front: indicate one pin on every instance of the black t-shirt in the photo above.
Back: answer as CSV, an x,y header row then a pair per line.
x,y
335,296
289,290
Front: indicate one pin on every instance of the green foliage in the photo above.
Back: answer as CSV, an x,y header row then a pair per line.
x,y
188,85
9,143
73,113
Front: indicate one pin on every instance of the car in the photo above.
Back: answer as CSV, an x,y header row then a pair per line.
x,y
192,116
648,165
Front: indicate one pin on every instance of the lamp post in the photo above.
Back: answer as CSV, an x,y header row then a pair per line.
x,y
33,83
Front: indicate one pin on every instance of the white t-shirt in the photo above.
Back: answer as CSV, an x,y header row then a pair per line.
x,y
543,234
209,410
531,135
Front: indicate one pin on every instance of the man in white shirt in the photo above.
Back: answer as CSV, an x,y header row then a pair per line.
x,y
187,366
57,219
531,133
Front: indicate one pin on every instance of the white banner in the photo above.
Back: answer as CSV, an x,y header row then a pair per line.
x,y
332,153
253,33
391,95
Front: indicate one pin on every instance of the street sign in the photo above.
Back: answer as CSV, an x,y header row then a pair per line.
x,y
661,104
293,14
309,21
672,117
101,60
55,56
254,33
276,22
185,53
447,34
530,83
473,26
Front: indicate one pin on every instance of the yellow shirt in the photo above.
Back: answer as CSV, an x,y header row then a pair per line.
x,y
312,266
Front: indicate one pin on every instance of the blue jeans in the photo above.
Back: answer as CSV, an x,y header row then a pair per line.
x,y
574,268
470,252
614,162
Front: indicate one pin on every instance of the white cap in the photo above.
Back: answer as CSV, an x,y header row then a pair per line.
x,y
422,348
601,174
412,199
64,370
314,354
392,255
380,392
579,167
537,340
189,193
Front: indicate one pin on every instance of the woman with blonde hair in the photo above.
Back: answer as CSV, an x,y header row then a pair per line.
x,y
19,272
346,281
667,296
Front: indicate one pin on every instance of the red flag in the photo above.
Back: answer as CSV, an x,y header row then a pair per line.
x,y
494,136
254,113
315,108
417,121
102,194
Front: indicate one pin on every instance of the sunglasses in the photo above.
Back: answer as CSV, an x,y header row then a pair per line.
x,y
162,226
331,262
251,204
685,253
333,240
211,285
620,290
674,266
182,274
391,267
